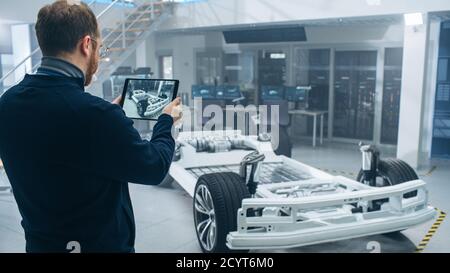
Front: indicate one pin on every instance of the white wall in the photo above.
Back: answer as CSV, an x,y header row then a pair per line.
x,y
415,52
355,34
21,10
238,12
182,48
323,35
141,55
21,49
430,92
130,61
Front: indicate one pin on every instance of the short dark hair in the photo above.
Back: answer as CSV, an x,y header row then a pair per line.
x,y
61,25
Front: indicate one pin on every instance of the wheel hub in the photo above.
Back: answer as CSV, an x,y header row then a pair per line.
x,y
205,218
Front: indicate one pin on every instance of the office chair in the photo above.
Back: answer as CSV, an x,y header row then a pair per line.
x,y
284,142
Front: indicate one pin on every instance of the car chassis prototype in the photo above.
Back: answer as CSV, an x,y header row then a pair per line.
x,y
149,105
247,197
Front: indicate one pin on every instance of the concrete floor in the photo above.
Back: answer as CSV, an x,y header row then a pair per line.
x,y
165,224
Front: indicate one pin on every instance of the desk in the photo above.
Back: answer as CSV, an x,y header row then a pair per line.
x,y
314,114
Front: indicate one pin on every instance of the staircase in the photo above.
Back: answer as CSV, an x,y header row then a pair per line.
x,y
124,26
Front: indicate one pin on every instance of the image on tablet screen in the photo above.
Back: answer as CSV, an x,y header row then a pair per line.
x,y
145,99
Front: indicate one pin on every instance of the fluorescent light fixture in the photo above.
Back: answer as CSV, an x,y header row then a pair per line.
x,y
233,67
413,19
278,56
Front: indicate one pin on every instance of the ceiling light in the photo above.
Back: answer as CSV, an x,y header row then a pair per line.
x,y
278,56
413,19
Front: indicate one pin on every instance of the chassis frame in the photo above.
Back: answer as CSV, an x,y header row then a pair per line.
x,y
309,207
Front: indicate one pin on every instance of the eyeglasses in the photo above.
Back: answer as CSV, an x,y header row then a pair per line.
x,y
103,51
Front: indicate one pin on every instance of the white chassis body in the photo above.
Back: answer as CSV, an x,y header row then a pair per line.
x,y
316,208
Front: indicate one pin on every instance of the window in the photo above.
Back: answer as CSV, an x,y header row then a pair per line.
x,y
209,67
354,95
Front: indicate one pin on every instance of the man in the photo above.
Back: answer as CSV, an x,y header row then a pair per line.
x,y
69,155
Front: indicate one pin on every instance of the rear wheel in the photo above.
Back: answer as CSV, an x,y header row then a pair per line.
x,y
217,198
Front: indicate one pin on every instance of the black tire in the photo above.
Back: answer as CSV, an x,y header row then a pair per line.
x,y
284,143
227,191
142,107
140,110
397,171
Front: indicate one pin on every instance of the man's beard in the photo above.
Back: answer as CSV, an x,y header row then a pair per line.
x,y
91,70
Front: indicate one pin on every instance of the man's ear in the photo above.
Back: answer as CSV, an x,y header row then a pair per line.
x,y
85,45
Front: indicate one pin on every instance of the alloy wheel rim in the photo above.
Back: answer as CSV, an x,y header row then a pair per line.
x,y
205,218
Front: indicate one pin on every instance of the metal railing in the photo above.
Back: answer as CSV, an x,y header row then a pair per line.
x,y
120,21
123,29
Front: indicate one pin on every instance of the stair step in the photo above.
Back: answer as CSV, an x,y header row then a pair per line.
x,y
146,12
159,3
142,20
130,30
120,39
118,31
117,49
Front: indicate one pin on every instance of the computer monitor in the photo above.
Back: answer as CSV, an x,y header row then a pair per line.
x,y
203,91
297,93
228,92
318,97
272,93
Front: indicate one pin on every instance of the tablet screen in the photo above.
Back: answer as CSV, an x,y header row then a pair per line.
x,y
146,98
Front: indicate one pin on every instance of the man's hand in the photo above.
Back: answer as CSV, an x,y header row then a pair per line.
x,y
174,110
117,100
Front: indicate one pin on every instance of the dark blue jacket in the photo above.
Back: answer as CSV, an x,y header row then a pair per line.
x,y
69,157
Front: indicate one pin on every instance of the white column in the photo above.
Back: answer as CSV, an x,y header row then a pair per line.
x,y
379,97
20,35
413,85
141,55
331,95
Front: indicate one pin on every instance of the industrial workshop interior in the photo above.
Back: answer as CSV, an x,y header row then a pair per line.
x,y
225,126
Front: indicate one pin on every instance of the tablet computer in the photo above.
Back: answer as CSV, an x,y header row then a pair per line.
x,y
146,98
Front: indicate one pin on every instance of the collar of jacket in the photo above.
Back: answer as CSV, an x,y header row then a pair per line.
x,y
58,66
52,81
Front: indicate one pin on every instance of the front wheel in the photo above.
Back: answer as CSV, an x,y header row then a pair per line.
x,y
142,108
393,172
217,198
